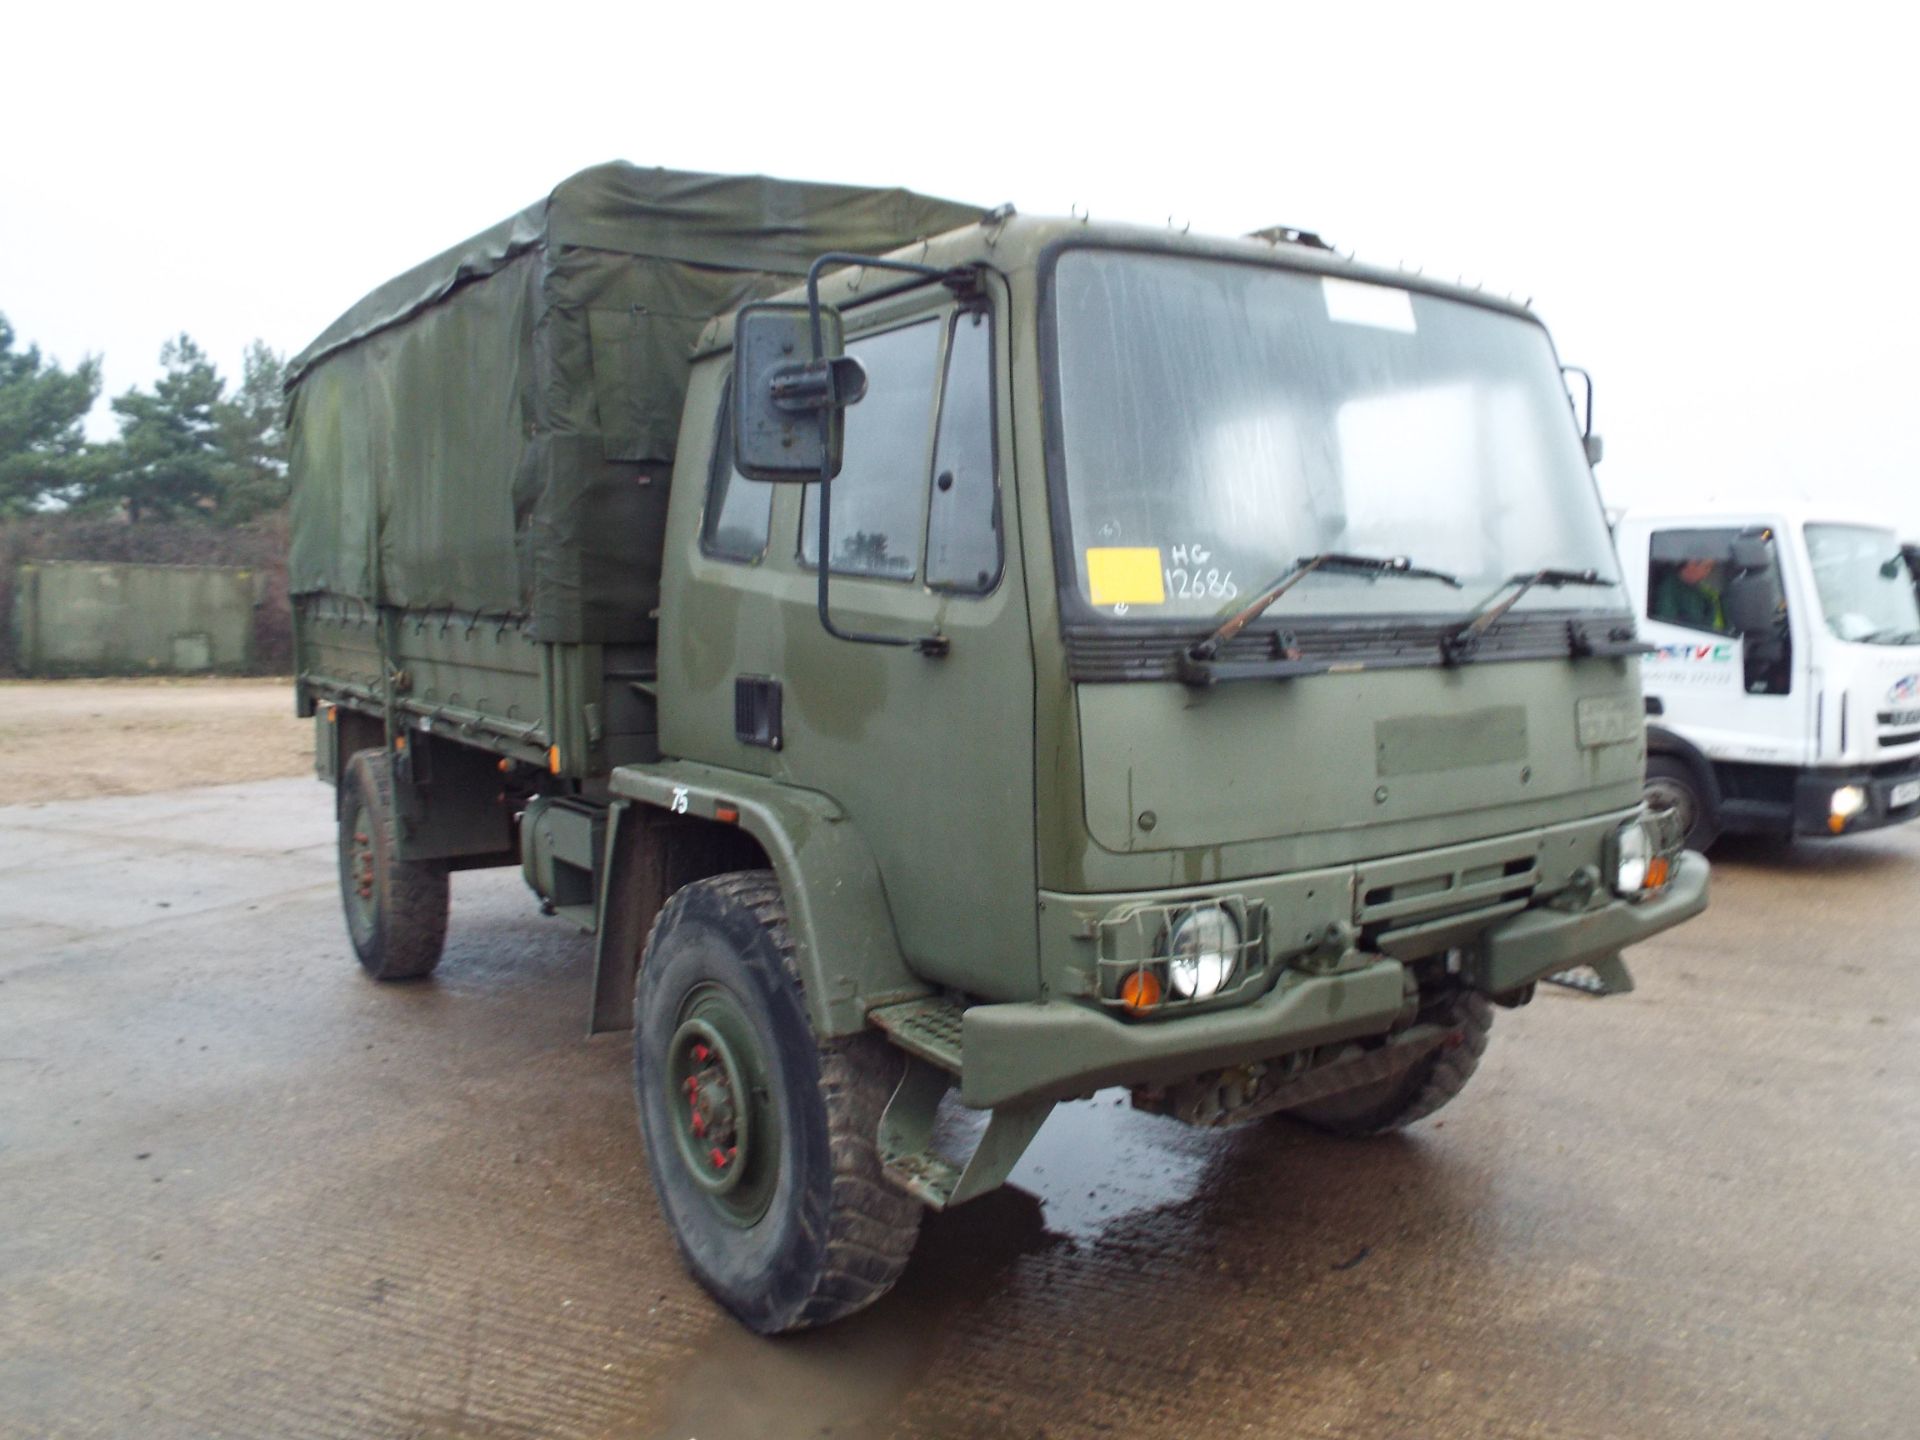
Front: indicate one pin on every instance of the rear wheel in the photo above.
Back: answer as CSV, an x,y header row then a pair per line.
x,y
762,1140
1674,784
1414,1094
396,909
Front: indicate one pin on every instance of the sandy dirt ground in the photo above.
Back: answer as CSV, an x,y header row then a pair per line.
x,y
247,1192
75,739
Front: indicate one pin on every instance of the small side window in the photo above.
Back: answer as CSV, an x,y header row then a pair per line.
x,y
739,510
877,512
964,545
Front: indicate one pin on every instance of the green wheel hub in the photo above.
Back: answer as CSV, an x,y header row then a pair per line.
x,y
725,1127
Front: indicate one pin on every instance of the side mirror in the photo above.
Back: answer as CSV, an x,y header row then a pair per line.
x,y
1595,450
781,390
1750,607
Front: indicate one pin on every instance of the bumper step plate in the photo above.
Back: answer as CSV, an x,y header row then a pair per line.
x,y
928,1028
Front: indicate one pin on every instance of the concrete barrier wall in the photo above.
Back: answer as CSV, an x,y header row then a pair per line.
x,y
79,618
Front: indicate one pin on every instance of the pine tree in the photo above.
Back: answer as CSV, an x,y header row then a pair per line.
x,y
253,435
43,449
170,461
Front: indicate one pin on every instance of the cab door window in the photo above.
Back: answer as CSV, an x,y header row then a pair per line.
x,y
1726,582
878,511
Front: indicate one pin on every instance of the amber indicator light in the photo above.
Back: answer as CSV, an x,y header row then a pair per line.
x,y
1140,991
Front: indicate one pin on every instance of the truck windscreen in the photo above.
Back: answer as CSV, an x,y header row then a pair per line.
x,y
1219,420
1867,593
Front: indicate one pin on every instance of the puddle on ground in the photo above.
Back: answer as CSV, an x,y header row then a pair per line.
x,y
1093,1164
1100,1160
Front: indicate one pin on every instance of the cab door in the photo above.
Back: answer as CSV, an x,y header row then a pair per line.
x,y
931,756
1726,638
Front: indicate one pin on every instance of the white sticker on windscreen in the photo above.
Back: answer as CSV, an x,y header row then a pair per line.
x,y
1381,306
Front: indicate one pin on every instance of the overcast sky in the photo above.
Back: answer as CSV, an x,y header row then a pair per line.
x,y
1713,211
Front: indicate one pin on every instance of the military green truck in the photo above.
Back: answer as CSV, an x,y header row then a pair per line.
x,y
1220,686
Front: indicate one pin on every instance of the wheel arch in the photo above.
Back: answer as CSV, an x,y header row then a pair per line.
x,y
1662,741
676,823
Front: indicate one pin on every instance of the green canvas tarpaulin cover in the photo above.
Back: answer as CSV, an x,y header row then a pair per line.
x,y
492,431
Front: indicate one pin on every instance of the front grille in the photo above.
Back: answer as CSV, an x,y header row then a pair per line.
x,y
1405,901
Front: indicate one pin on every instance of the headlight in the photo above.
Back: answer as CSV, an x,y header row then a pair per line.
x,y
1847,802
1201,952
1638,864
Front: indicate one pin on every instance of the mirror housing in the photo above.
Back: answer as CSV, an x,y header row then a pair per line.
x,y
1752,554
1750,606
1595,450
781,389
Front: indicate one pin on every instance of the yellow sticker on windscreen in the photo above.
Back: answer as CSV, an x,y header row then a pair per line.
x,y
1122,575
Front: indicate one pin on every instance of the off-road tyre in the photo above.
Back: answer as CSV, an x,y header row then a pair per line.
x,y
1675,783
831,1235
396,909
1396,1102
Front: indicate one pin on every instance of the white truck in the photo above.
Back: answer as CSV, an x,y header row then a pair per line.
x,y
1783,689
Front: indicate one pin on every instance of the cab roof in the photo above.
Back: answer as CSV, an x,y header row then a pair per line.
x,y
1708,514
1011,243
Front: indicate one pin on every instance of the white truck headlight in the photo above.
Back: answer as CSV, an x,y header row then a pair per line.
x,y
1847,802
1202,951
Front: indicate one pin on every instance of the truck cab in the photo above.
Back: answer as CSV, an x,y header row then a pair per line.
x,y
1783,695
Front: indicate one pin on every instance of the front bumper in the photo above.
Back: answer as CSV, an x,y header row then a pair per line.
x,y
1519,951
1051,1050
1813,797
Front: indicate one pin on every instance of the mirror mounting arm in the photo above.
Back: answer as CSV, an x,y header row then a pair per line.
x,y
820,382
1595,450
819,385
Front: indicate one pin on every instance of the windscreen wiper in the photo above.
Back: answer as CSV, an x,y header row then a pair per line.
x,y
1330,561
1461,643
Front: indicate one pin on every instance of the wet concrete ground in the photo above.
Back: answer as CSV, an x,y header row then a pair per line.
x,y
245,1192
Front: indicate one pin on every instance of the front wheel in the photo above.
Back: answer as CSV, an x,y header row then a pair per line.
x,y
1414,1094
1673,784
762,1140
